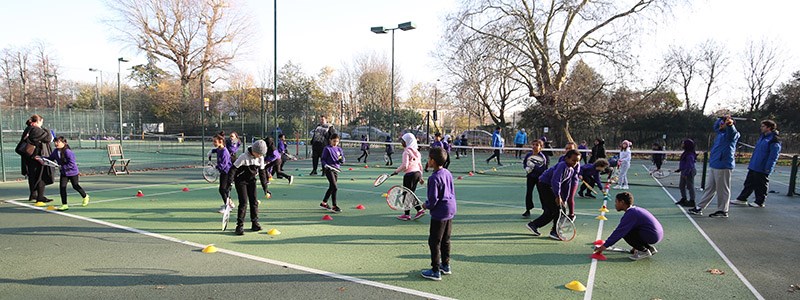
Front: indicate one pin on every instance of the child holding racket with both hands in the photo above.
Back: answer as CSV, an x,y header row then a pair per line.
x,y
441,203
535,163
556,185
247,167
69,171
332,158
412,166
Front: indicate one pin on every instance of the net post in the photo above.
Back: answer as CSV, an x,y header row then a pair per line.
x,y
705,169
473,159
793,176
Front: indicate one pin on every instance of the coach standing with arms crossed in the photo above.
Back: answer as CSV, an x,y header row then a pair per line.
x,y
762,163
319,140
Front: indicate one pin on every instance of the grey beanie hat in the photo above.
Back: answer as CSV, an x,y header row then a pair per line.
x,y
259,147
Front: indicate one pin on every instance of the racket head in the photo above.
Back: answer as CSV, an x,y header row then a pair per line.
x,y
380,180
565,227
49,163
226,216
333,169
534,161
660,174
210,172
401,198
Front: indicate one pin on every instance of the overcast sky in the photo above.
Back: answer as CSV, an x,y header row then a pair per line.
x,y
321,33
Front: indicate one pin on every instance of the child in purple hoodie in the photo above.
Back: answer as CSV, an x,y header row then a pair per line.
x,y
332,158
688,171
556,186
69,171
638,227
442,206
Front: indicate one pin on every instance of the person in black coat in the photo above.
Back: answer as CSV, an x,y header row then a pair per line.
x,y
38,175
598,150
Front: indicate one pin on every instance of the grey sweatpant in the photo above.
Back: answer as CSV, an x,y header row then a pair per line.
x,y
719,184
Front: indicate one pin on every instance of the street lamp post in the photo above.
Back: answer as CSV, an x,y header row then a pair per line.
x,y
58,108
119,94
380,30
100,100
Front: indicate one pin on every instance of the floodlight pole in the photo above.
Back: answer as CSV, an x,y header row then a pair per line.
x,y
275,64
119,94
2,157
380,30
100,100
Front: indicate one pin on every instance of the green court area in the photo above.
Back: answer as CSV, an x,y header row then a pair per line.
x,y
369,254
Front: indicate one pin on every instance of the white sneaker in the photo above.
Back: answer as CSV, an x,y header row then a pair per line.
x,y
291,179
738,202
222,209
625,187
637,255
617,187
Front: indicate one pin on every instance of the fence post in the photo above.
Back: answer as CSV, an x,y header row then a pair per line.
x,y
793,176
705,169
473,159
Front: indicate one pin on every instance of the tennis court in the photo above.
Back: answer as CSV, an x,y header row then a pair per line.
x,y
123,246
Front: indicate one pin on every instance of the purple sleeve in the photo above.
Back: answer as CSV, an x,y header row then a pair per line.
x,y
555,180
53,155
625,225
433,193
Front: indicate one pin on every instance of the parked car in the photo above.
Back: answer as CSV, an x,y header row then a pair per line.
x,y
374,133
476,137
421,135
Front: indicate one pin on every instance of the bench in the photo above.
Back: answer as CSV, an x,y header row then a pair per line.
x,y
117,160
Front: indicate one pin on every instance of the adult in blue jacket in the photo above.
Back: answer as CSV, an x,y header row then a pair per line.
x,y
722,164
497,145
762,163
520,140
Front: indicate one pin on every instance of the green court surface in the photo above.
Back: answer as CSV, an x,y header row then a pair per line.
x,y
369,254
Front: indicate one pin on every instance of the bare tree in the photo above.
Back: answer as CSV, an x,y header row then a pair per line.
x,y
21,59
195,35
714,60
8,73
685,63
547,36
47,72
761,69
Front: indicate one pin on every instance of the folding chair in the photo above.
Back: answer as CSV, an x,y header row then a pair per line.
x,y
117,160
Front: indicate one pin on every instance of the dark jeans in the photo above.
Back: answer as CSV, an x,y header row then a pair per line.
x,y
62,187
531,183
447,161
225,181
519,152
332,187
389,155
636,241
549,206
364,154
496,154
316,153
439,242
246,190
35,182
410,181
277,169
583,189
755,181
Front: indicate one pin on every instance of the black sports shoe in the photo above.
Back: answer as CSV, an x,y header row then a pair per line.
x,y
681,202
591,195
695,211
581,195
690,203
719,214
533,229
312,173
239,230
526,214
255,227
335,210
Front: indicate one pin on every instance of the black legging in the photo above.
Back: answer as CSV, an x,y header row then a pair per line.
x,y
590,183
549,207
225,185
496,154
332,187
35,182
636,241
316,153
389,163
447,161
439,243
277,169
246,190
364,154
62,187
410,181
531,183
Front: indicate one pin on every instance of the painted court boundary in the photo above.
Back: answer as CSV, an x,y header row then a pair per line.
x,y
244,255
713,245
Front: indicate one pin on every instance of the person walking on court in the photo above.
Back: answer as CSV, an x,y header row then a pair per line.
x,y
598,150
624,164
762,163
464,143
364,148
520,140
535,163
721,163
497,145
584,150
319,141
638,227
39,175
389,150
69,171
411,164
686,167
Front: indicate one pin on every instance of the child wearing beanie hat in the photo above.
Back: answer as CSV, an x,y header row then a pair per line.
x,y
248,166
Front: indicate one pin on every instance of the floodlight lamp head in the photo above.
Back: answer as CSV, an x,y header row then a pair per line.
x,y
122,59
93,70
377,29
406,26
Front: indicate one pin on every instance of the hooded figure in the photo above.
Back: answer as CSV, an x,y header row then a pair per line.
x,y
412,161
598,150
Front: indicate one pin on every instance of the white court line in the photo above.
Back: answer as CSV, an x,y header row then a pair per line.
x,y
246,256
593,268
150,195
119,189
713,245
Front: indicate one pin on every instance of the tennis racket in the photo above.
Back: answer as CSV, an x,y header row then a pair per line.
x,y
588,186
401,198
210,172
291,157
381,179
565,227
333,169
615,249
48,162
533,162
659,173
226,215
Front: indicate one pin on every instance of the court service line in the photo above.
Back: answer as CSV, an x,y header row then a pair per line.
x,y
713,245
150,195
119,189
246,256
593,268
